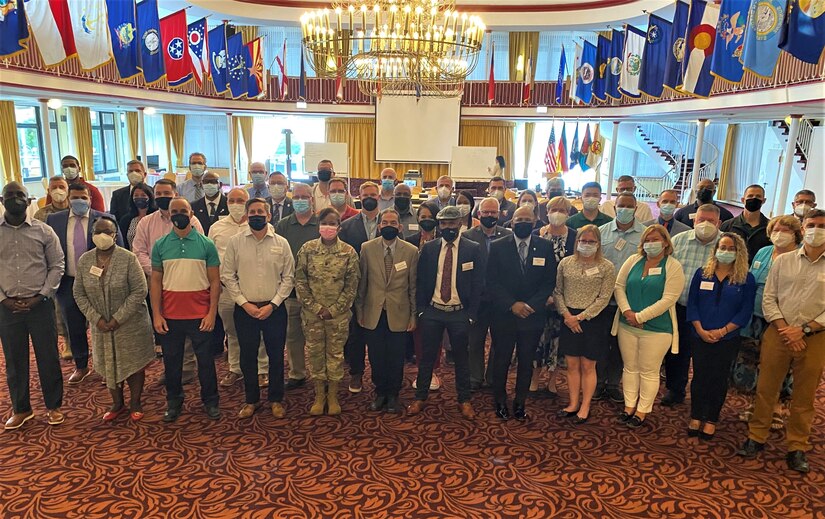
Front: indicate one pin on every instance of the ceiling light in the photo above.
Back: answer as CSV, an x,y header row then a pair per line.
x,y
54,104
149,111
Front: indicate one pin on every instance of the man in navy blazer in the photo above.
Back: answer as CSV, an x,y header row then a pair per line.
x,y
213,205
79,217
522,275
451,272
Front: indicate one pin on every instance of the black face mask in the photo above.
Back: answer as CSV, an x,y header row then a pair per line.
x,y
753,204
15,206
522,229
489,221
389,233
554,193
163,202
705,196
142,203
181,221
257,222
324,175
402,204
427,224
369,204
449,234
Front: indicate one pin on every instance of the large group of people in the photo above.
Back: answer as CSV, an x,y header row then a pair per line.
x,y
277,268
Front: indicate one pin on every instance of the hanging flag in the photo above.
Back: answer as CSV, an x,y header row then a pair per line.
x,y
560,79
575,152
587,73
91,32
574,84
803,35
585,151
615,65
551,162
602,64
340,80
14,32
527,91
701,36
255,65
302,81
176,56
594,158
236,65
151,57
199,50
652,76
51,27
676,46
216,48
634,51
760,51
282,66
124,34
491,81
563,149
730,38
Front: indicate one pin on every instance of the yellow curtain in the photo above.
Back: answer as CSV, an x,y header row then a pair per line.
x,y
82,132
526,45
529,131
727,163
250,32
132,132
497,134
174,126
245,124
10,154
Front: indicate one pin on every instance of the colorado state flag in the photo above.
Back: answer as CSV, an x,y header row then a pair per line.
x,y
803,35
614,65
13,29
586,73
217,57
730,37
236,65
602,66
676,54
761,50
125,40
657,48
151,57
701,36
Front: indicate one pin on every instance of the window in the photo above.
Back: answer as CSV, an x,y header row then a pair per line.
x,y
269,143
30,142
104,142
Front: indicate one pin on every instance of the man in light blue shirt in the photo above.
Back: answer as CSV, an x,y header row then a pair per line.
x,y
386,198
192,189
259,176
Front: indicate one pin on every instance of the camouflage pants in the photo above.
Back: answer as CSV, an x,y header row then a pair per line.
x,y
325,345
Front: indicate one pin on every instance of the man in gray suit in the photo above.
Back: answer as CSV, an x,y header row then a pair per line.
x,y
667,203
385,306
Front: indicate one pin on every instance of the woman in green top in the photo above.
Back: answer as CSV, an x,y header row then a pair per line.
x,y
647,288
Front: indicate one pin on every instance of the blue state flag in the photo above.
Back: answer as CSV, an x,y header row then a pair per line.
x,y
614,66
730,38
151,57
302,81
236,65
760,52
124,32
657,48
216,44
602,65
803,35
13,28
560,79
575,152
586,74
676,46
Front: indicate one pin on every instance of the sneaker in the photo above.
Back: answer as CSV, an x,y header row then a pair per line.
x,y
798,461
615,395
600,394
355,384
750,449
435,383
230,379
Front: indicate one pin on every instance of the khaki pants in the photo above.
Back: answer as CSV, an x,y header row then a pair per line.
x,y
226,309
295,340
774,361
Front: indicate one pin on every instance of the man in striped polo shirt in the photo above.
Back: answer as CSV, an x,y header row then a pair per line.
x,y
185,289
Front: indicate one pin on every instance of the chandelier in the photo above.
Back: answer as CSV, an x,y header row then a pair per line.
x,y
394,47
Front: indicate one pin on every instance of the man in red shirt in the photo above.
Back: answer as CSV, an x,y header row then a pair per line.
x,y
71,172
338,199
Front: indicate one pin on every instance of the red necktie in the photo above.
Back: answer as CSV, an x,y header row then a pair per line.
x,y
447,275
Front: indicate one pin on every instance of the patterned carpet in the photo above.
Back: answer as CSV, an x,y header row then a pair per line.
x,y
365,464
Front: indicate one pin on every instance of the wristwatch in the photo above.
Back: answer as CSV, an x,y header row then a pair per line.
x,y
807,329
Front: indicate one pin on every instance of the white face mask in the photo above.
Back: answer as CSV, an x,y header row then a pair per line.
x,y
531,205
498,194
59,195
801,209
70,173
135,177
197,170
590,203
781,239
586,249
705,231
277,191
444,192
464,208
237,211
814,236
557,219
103,241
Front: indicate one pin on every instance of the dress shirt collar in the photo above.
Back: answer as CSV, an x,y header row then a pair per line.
x,y
801,252
270,231
72,215
520,240
391,245
27,220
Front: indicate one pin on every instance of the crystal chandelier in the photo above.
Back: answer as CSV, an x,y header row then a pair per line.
x,y
394,47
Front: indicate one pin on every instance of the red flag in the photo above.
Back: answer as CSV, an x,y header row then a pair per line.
x,y
256,68
174,39
60,11
282,67
528,78
563,150
491,83
339,81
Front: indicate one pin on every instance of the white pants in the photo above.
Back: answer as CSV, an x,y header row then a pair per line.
x,y
226,309
642,354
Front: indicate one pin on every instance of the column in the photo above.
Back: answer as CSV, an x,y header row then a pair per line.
x,y
47,137
697,157
230,131
142,137
614,146
787,165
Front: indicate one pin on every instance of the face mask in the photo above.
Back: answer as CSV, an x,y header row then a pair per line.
x,y
70,173
753,204
337,199
498,194
259,179
134,177
801,209
328,232
667,210
814,237
705,196
277,191
103,241
449,234
489,221
464,209
79,206
586,249
444,192
300,206
59,195
15,206
163,202
387,184
781,239
522,229
257,222
530,205
197,170
653,249
427,224
237,211
141,203
554,193
725,257
591,203
369,204
324,175
389,233
705,231
181,221
557,219
625,215
211,189
402,203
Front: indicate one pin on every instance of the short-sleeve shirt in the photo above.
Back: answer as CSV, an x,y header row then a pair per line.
x,y
185,283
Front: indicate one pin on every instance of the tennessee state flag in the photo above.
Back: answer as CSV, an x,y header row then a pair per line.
x,y
173,36
255,64
697,79
803,35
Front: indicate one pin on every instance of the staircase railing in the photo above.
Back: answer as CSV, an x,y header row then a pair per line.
x,y
670,145
803,141
707,162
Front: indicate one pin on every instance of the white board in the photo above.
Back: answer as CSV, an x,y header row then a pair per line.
x,y
416,130
315,152
471,162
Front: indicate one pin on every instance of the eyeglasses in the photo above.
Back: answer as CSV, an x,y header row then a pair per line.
x,y
588,242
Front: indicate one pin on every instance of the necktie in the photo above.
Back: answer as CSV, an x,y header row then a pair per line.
x,y
212,209
447,275
198,191
276,212
388,264
79,239
522,252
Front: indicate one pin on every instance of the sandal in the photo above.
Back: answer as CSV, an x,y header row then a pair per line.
x,y
777,422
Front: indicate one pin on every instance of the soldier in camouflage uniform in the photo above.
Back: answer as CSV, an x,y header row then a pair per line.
x,y
326,280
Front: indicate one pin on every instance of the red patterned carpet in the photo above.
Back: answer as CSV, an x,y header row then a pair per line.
x,y
365,464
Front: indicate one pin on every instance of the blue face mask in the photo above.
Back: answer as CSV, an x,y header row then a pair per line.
x,y
387,184
258,178
300,206
726,257
624,215
337,199
79,206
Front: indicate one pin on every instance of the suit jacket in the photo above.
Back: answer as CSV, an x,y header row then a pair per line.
x,y
201,212
676,228
59,221
510,283
119,206
477,235
471,272
375,292
286,210
353,232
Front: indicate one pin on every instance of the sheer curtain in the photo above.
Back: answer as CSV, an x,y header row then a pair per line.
x,y
10,154
747,158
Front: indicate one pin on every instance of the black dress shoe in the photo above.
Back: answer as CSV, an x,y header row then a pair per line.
x,y
566,414
379,403
600,394
624,417
213,412
635,422
171,415
519,412
615,395
294,383
502,411
692,433
750,449
671,399
798,461
392,405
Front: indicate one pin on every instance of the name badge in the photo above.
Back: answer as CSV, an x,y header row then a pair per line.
x,y
413,226
620,244
96,271
655,271
821,277
706,285
538,262
401,266
467,266
692,216
757,264
592,271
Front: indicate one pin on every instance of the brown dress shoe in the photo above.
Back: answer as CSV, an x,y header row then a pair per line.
x,y
263,380
247,410
230,379
467,410
79,375
55,416
18,419
416,407
277,410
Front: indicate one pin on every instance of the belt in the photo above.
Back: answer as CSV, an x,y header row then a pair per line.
x,y
447,308
261,304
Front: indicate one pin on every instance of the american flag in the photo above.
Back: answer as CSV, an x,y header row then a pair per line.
x,y
199,50
550,155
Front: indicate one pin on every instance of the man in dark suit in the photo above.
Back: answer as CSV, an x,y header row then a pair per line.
x,y
119,206
213,205
484,234
355,231
74,229
497,190
522,275
451,274
281,204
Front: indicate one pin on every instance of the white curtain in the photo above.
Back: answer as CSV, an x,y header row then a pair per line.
x,y
747,159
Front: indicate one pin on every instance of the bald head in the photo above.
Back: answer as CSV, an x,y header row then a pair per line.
x,y
402,190
180,205
524,214
237,195
14,187
209,175
489,204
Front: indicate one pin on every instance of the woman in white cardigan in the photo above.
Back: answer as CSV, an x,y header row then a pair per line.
x,y
647,288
